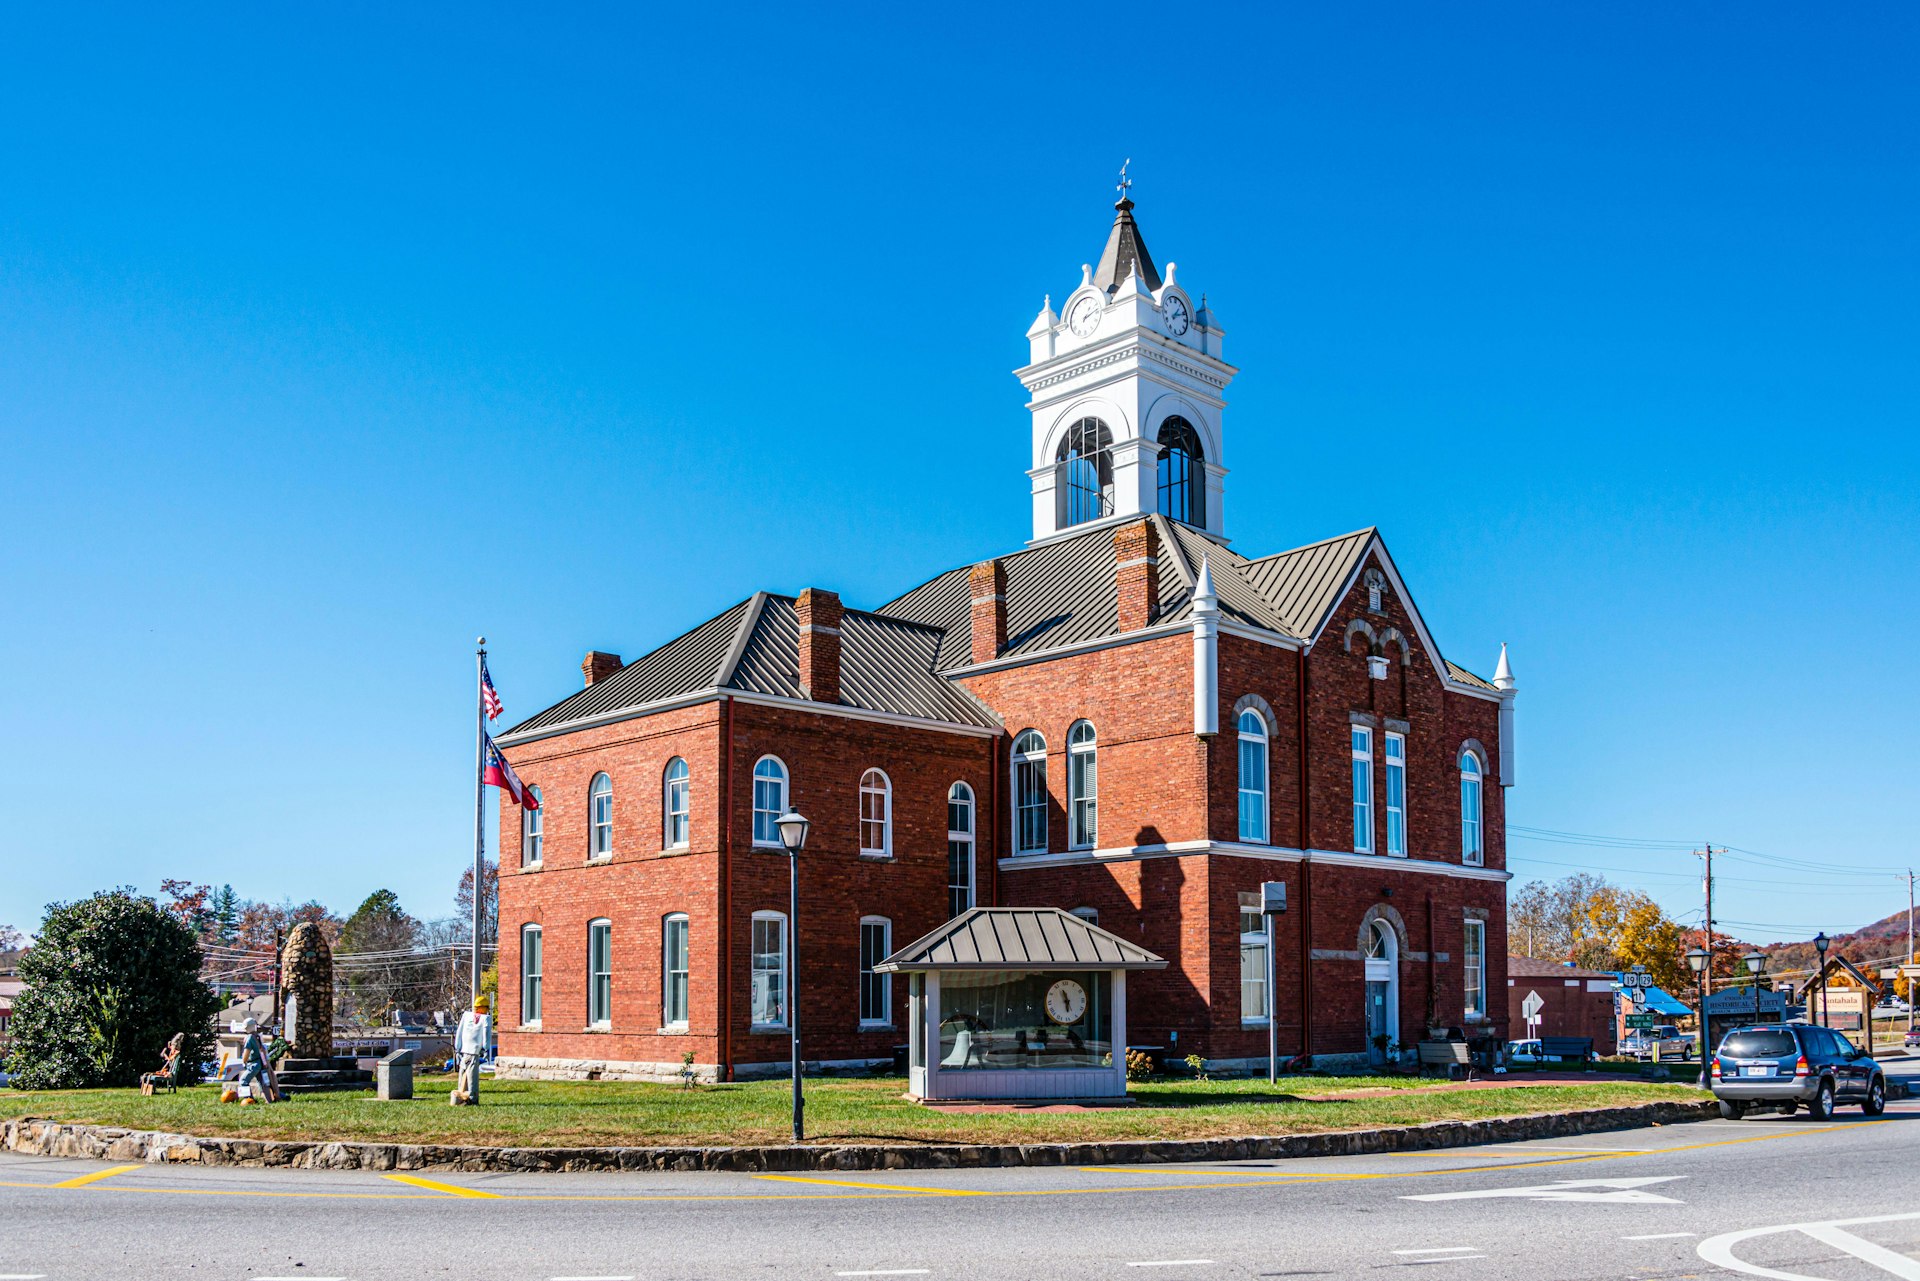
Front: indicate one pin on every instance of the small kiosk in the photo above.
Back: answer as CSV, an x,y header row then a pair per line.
x,y
1018,1003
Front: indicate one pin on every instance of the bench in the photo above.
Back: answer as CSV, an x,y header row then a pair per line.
x,y
1451,1055
1567,1047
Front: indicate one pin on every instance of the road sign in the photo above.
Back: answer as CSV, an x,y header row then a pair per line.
x,y
1639,998
1531,1007
1642,1020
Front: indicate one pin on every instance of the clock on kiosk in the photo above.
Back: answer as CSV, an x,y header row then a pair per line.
x,y
1066,1002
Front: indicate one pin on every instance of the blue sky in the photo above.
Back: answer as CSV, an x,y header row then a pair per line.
x,y
330,341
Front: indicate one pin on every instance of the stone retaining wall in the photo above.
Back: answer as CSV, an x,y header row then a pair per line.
x,y
106,1143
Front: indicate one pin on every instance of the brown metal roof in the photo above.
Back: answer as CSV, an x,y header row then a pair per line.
x,y
1020,938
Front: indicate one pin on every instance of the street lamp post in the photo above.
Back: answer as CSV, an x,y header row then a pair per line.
x,y
793,835
1756,965
1820,944
1697,959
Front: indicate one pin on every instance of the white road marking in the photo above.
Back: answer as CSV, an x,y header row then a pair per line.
x,y
878,1272
1444,1249
623,1277
23,1276
1560,1148
1170,1263
1719,1250
1660,1236
1616,1191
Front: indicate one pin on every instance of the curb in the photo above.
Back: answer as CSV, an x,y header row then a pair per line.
x,y
109,1143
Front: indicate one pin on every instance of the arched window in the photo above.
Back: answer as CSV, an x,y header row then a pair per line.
x,y
1083,476
876,990
599,973
1253,776
673,970
1030,794
531,967
1083,787
876,814
769,801
1091,915
533,826
1362,790
1183,478
600,817
1472,848
676,798
959,849
769,978
1396,763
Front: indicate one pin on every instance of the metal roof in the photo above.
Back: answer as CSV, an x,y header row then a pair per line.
x,y
1020,938
1125,251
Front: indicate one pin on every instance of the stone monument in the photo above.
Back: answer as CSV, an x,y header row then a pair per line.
x,y
306,976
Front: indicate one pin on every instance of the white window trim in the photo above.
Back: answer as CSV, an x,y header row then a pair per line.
x,y
1266,756
533,828
1363,840
1014,761
1477,856
786,966
1387,764
1090,749
593,827
667,923
592,1022
667,812
1470,927
1257,937
955,836
753,799
886,979
539,976
1091,915
885,793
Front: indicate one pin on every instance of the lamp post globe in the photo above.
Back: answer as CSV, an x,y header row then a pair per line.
x,y
1697,960
793,829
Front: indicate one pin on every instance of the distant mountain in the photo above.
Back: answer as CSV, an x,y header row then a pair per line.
x,y
1884,938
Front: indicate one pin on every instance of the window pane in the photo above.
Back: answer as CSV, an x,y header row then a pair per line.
x,y
1253,789
1362,807
1476,961
530,963
1030,790
998,1019
769,972
875,989
1396,753
674,979
599,972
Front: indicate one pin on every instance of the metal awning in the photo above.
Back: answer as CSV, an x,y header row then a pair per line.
x,y
1020,938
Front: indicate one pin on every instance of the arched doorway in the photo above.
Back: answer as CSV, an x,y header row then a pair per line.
x,y
1383,988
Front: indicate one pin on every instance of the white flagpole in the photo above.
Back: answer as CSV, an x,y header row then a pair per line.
x,y
479,798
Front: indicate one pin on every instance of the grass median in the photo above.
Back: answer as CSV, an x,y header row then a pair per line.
x,y
839,1110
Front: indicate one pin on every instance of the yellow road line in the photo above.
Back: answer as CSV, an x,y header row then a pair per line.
x,y
449,1188
85,1179
873,1187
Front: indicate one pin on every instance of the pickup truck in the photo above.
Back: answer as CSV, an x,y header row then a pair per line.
x,y
1662,1042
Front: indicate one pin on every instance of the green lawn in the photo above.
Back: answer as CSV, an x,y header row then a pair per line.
x,y
613,1113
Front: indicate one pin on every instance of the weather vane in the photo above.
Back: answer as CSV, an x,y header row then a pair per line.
x,y
1125,182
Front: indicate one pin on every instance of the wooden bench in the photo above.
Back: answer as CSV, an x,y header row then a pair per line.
x,y
1451,1055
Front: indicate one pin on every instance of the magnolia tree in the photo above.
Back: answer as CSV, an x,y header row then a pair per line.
x,y
109,981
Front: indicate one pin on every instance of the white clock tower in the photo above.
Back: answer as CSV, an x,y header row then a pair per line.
x,y
1127,389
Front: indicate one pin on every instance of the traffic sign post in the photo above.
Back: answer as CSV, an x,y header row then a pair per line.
x,y
1273,901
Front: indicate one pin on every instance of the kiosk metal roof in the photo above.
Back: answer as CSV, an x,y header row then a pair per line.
x,y
1020,938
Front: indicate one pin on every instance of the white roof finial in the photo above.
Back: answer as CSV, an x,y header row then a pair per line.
x,y
1204,601
1503,674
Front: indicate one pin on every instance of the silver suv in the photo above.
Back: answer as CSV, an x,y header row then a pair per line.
x,y
1782,1065
1663,1042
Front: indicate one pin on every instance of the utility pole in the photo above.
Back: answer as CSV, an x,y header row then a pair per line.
x,y
1706,975
1908,964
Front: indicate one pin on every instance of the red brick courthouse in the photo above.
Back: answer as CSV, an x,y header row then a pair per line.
x,y
1128,719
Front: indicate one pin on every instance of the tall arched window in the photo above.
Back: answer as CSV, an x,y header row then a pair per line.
x,y
1253,776
1472,846
1362,790
769,800
1083,787
1183,478
1030,794
876,814
599,973
1083,479
533,826
600,817
676,800
959,849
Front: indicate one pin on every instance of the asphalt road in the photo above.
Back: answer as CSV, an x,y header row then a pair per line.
x,y
1771,1197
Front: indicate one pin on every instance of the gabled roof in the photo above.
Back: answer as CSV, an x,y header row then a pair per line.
x,y
1535,967
886,665
1126,251
1020,938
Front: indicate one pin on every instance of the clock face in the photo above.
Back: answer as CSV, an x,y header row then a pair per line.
x,y
1066,1002
1084,317
1175,310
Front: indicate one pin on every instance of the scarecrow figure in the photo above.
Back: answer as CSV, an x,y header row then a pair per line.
x,y
470,1041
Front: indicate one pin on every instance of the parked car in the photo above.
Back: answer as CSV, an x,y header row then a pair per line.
x,y
1783,1065
1531,1053
1665,1041
1913,1039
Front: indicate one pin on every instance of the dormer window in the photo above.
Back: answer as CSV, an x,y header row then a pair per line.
x,y
1183,483
1084,473
1376,591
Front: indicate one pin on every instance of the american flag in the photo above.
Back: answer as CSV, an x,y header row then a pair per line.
x,y
489,696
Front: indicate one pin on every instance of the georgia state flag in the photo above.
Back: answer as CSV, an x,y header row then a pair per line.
x,y
500,774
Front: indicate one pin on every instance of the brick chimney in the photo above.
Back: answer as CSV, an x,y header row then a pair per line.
x,y
1136,573
819,614
988,584
597,666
